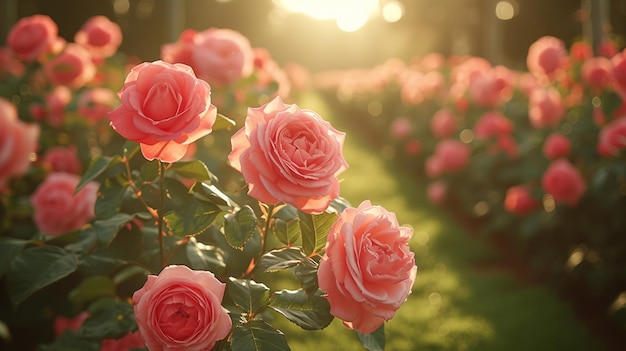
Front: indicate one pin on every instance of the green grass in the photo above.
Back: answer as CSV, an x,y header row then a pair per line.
x,y
453,305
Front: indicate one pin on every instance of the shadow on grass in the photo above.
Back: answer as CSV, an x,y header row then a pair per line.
x,y
453,306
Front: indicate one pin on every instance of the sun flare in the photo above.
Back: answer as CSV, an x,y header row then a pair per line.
x,y
350,15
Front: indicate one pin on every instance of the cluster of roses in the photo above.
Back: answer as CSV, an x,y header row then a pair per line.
x,y
289,158
524,152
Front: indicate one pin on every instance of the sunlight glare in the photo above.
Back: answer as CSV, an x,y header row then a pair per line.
x,y
350,15
393,11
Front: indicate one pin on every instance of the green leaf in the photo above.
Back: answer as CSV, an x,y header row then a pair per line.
x,y
106,229
277,260
310,313
240,226
223,122
258,336
91,288
96,167
109,319
109,199
210,193
314,230
193,218
205,257
196,170
250,296
306,273
287,232
69,341
9,249
374,341
36,268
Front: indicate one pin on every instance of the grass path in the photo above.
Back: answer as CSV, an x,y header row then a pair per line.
x,y
453,306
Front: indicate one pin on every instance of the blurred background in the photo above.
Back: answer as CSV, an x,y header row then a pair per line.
x,y
335,34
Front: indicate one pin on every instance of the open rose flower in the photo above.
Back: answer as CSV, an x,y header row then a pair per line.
x,y
546,57
519,200
556,146
546,109
180,309
18,141
73,67
100,36
34,36
564,182
58,209
612,138
288,154
164,107
368,270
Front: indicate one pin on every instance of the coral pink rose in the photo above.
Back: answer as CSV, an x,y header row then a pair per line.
x,y
546,57
612,138
222,56
73,67
288,154
129,341
61,324
556,146
58,209
443,123
180,309
436,192
453,154
492,87
62,159
164,108
564,182
492,124
100,36
96,103
34,36
519,200
580,51
597,73
368,269
18,141
546,108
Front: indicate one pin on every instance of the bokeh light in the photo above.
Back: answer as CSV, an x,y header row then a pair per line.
x,y
392,11
506,10
350,15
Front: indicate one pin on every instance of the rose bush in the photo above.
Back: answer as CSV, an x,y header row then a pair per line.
x,y
123,224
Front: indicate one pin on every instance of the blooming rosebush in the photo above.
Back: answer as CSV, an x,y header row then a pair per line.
x,y
123,219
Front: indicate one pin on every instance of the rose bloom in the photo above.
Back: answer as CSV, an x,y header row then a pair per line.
x,y
492,87
546,57
436,192
100,36
564,182
58,209
61,324
18,141
180,51
164,107
288,154
34,36
368,269
401,127
580,51
9,65
612,138
180,309
546,108
453,154
597,73
72,67
222,56
62,159
443,123
96,103
492,124
519,200
556,146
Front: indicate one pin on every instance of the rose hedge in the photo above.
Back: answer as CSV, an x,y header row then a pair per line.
x,y
536,157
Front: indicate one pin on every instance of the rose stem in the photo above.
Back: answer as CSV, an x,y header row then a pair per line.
x,y
160,211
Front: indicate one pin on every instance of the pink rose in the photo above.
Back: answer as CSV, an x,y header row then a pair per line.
x,y
222,56
164,108
556,146
580,51
288,154
180,309
492,87
72,67
546,108
34,36
18,141
564,182
453,154
96,103
62,159
546,57
61,324
612,138
182,50
519,200
57,209
401,127
597,73
127,342
100,36
368,269
9,64
443,123
436,192
492,124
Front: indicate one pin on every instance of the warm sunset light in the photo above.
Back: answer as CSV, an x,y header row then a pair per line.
x,y
350,15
